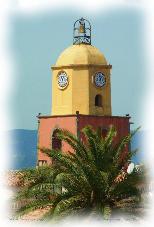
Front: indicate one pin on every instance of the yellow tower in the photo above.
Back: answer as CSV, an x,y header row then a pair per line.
x,y
81,77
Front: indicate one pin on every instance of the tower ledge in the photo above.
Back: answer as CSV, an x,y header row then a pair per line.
x,y
82,66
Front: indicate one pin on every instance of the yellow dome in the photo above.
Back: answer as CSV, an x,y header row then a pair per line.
x,y
81,54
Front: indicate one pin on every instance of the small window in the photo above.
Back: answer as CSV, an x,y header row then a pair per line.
x,y
98,100
56,142
104,132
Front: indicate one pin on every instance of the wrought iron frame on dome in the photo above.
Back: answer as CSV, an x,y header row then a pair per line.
x,y
82,32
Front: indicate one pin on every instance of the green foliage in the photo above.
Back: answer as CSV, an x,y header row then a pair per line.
x,y
86,176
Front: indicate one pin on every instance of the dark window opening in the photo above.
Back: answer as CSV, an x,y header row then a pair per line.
x,y
56,142
104,132
98,100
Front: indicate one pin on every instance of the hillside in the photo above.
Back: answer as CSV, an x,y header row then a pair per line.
x,y
24,148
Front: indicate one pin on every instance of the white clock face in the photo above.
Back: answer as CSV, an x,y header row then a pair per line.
x,y
99,79
62,80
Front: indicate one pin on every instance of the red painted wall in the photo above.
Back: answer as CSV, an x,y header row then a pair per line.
x,y
46,127
76,122
120,123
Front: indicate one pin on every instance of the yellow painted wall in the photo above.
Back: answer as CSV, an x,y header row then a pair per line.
x,y
81,62
105,92
61,99
80,93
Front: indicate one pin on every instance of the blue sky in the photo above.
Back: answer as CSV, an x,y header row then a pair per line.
x,y
37,40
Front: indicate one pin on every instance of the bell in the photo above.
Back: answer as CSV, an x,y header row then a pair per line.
x,y
82,28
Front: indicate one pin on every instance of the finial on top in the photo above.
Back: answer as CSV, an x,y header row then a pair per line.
x,y
82,32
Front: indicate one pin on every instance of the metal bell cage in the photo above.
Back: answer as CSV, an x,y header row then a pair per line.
x,y
82,32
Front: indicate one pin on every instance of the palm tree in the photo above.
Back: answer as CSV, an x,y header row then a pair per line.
x,y
92,178
36,189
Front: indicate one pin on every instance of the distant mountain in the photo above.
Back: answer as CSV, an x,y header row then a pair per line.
x,y
137,143
24,148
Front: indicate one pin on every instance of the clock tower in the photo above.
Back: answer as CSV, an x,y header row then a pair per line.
x,y
81,95
81,77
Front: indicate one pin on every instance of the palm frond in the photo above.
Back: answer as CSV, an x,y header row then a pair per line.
x,y
82,180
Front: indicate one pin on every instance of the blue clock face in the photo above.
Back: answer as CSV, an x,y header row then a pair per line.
x,y
99,79
62,80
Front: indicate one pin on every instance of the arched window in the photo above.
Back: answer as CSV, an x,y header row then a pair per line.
x,y
56,142
104,132
98,100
